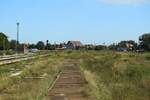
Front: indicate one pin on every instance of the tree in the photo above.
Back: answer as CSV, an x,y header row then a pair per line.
x,y
113,46
13,44
145,41
51,46
122,44
100,47
32,46
40,45
4,43
130,44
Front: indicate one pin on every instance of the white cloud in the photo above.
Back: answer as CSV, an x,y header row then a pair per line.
x,y
125,2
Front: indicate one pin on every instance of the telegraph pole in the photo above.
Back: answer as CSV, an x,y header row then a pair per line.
x,y
17,43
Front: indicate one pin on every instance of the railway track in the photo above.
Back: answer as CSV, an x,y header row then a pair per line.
x,y
18,58
69,85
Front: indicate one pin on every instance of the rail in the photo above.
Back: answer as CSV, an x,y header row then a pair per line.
x,y
18,58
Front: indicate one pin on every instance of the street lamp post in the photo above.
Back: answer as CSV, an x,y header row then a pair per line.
x,y
17,43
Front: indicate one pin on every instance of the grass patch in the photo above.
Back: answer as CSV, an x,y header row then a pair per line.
x,y
110,75
117,76
33,82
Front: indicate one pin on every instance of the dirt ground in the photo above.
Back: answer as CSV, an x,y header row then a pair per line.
x,y
70,84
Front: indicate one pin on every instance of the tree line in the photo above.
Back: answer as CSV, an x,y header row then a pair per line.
x,y
130,45
5,44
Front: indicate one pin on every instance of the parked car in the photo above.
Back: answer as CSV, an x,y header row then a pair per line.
x,y
33,50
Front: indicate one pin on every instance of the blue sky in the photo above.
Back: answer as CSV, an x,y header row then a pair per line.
x,y
90,21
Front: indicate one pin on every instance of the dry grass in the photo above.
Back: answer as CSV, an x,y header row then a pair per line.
x,y
110,75
33,82
117,76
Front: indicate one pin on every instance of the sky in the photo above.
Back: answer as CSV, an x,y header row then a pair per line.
x,y
89,21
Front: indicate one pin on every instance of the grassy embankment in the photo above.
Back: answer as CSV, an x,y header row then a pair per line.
x,y
117,76
33,82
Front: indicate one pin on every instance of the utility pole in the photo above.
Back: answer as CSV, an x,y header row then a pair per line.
x,y
17,43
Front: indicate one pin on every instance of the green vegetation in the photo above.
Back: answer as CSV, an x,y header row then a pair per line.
x,y
114,76
145,41
117,76
4,43
110,75
34,79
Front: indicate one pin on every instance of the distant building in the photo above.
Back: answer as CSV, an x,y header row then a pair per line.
x,y
74,45
25,48
129,46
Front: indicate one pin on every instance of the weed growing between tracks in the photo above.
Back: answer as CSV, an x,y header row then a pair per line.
x,y
34,80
